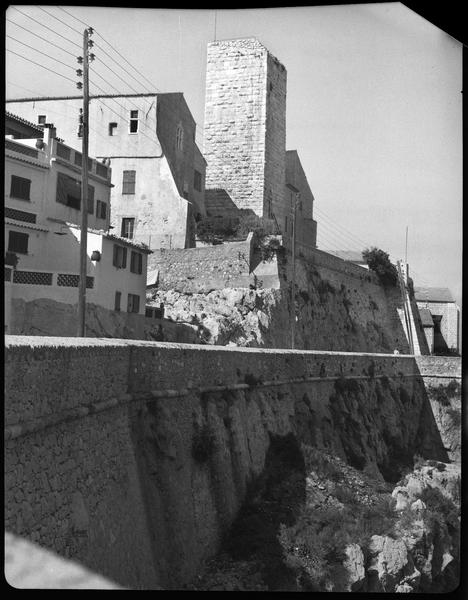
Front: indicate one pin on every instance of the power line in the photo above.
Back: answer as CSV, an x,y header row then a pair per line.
x,y
43,53
59,20
73,16
39,65
40,37
42,25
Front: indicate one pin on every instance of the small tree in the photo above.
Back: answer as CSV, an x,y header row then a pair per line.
x,y
379,262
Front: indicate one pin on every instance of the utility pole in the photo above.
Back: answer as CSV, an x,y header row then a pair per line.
x,y
84,186
406,246
293,282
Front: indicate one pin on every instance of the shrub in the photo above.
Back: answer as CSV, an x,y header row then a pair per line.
x,y
379,262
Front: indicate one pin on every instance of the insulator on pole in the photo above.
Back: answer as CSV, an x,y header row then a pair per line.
x,y
79,85
90,43
79,59
92,56
90,30
79,72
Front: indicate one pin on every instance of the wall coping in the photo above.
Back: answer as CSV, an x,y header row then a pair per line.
x,y
35,342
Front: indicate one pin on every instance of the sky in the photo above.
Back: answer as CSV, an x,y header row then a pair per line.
x,y
374,105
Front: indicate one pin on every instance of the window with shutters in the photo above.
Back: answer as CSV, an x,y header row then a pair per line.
x,y
136,262
120,257
128,226
101,209
69,192
133,304
179,138
128,182
118,297
42,119
18,242
20,188
133,121
197,181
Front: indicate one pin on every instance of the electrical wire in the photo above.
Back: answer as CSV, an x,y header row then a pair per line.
x,y
43,53
39,65
57,19
149,90
41,38
42,25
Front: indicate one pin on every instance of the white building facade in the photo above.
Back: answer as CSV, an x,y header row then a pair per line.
x,y
42,232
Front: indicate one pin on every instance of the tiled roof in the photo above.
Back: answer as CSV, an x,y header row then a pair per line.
x,y
10,115
433,294
426,317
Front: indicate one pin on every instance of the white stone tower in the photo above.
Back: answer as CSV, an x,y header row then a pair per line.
x,y
245,125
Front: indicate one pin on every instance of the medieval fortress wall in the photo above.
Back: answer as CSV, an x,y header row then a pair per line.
x,y
133,458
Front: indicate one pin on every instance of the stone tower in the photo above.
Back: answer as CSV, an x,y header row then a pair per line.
x,y
245,125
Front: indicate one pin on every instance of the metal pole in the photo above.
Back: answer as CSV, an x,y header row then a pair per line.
x,y
293,283
84,195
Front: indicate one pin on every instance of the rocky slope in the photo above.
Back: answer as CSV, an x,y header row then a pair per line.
x,y
321,525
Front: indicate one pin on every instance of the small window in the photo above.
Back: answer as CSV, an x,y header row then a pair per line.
x,y
128,182
18,242
41,119
20,188
101,209
136,262
197,181
118,297
133,121
179,138
112,128
120,257
128,226
133,305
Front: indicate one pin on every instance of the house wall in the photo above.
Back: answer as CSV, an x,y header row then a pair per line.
x,y
163,174
449,312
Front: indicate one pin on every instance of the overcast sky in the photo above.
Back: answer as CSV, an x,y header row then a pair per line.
x,y
374,106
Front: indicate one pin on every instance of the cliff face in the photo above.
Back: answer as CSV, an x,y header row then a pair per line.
x,y
313,523
332,310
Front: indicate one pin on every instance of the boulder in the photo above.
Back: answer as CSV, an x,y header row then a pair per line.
x,y
354,566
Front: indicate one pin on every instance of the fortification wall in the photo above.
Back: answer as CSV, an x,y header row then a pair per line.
x,y
133,458
204,268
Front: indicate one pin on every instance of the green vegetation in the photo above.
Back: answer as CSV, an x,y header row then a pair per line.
x,y
379,262
314,545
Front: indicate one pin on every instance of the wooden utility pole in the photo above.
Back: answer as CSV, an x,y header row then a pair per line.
x,y
84,192
293,282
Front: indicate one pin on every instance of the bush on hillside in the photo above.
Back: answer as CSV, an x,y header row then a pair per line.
x,y
380,263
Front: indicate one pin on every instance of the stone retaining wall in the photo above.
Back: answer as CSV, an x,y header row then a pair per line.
x,y
133,458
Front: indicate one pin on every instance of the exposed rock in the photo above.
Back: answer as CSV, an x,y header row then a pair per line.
x,y
354,565
390,564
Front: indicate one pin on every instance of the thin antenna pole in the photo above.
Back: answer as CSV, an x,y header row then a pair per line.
x,y
84,194
216,14
406,246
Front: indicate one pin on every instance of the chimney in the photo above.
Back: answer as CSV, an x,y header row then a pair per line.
x,y
50,132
